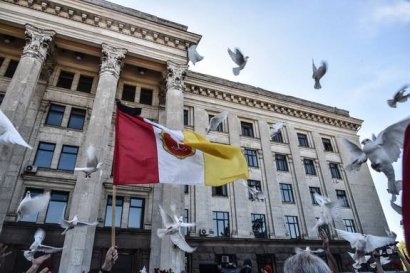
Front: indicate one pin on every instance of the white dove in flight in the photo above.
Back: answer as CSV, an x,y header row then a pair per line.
x,y
37,246
193,55
318,73
9,134
216,120
308,249
92,164
30,205
382,151
275,128
239,59
70,224
256,195
329,210
399,97
173,225
143,270
363,243
358,265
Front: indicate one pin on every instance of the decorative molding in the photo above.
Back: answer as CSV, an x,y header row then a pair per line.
x,y
38,42
175,75
111,24
112,59
272,107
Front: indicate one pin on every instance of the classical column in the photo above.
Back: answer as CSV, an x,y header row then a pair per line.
x,y
15,105
78,244
163,254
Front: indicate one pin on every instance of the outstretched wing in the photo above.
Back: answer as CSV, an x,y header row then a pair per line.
x,y
217,119
236,56
357,156
166,219
373,242
49,249
9,134
351,237
92,159
178,240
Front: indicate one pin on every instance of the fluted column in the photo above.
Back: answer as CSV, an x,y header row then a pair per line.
x,y
15,105
163,254
78,244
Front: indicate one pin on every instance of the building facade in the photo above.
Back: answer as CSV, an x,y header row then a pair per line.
x,y
62,65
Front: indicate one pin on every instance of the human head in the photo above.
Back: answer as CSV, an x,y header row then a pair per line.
x,y
305,262
247,262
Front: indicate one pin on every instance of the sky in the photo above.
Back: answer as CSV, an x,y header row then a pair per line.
x,y
365,43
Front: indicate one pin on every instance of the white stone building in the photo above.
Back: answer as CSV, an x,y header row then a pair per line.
x,y
58,87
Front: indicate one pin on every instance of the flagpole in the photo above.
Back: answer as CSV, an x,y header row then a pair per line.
x,y
113,203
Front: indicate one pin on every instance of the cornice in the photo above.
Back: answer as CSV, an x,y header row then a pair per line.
x,y
144,26
199,84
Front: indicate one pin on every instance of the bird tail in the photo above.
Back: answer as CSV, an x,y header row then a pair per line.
x,y
10,137
64,232
391,103
236,70
161,232
80,169
317,84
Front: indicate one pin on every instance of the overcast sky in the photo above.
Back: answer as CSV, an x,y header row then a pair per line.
x,y
366,45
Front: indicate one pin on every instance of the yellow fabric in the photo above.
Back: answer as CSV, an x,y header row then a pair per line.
x,y
223,163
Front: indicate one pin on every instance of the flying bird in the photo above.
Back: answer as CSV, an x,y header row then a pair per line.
x,y
70,224
318,73
256,195
37,246
382,151
364,243
239,59
329,210
193,55
357,264
173,225
396,207
308,249
143,270
92,164
275,128
30,205
399,97
216,120
9,134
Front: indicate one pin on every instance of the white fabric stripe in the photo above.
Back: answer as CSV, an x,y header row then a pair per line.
x,y
189,170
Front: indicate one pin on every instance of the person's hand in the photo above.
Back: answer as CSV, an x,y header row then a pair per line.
x,y
45,270
3,253
36,263
110,258
325,239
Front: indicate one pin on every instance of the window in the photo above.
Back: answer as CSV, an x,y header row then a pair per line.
x,y
220,126
221,223
55,115
146,96
186,117
1,98
292,224
85,83
186,188
334,171
327,145
220,191
65,79
11,69
287,193
44,155
77,117
31,217
254,184
303,140
251,157
247,129
278,137
281,163
186,220
309,167
349,225
136,213
56,207
118,211
128,93
258,225
68,157
314,190
1,60
341,195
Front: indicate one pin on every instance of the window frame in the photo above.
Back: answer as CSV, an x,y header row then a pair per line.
x,y
309,165
37,153
142,208
303,140
10,70
58,201
294,224
225,221
52,111
61,153
77,115
144,95
281,163
312,191
60,84
85,83
251,156
36,192
220,191
220,127
255,217
342,195
124,88
349,225
117,205
278,137
334,170
327,144
247,129
286,193
254,183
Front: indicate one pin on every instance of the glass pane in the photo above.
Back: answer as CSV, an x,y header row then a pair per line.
x,y
55,212
136,202
135,217
65,80
67,162
128,93
43,158
118,212
85,84
11,69
146,96
55,115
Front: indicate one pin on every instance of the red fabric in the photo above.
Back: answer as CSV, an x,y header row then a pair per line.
x,y
406,188
135,151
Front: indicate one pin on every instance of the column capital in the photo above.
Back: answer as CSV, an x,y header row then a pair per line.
x,y
174,76
112,59
38,42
